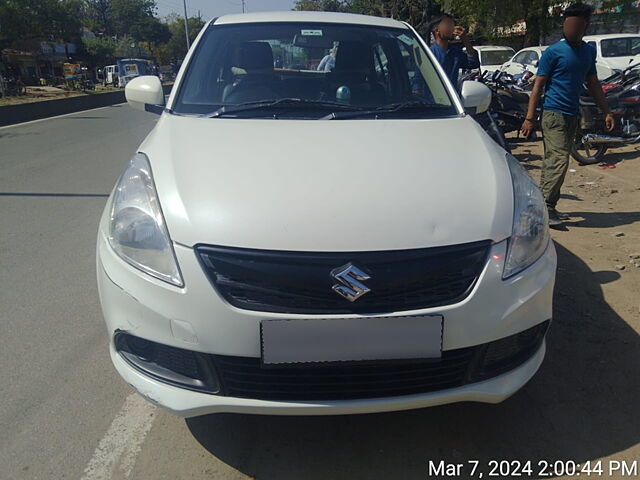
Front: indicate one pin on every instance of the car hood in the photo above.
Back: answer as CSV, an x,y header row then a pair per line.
x,y
341,185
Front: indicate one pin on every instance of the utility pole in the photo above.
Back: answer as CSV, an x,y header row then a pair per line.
x,y
186,25
242,6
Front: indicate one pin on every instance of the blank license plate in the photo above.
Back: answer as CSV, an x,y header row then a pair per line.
x,y
350,339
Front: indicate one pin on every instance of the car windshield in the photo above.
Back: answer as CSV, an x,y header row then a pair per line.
x,y
620,47
320,65
495,57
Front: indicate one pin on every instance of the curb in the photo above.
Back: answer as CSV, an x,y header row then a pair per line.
x,y
25,112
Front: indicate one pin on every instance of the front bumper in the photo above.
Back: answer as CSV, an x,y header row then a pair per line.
x,y
187,403
196,318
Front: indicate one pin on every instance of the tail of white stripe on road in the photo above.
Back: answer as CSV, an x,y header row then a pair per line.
x,y
116,453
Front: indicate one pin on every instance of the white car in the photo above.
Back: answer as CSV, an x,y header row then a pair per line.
x,y
614,52
525,59
295,241
492,56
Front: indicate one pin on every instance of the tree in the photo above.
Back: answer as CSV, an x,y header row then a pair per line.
x,y
24,22
539,15
486,17
151,30
416,12
97,16
127,13
100,50
176,48
321,5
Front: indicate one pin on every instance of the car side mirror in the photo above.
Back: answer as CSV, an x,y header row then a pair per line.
x,y
145,93
534,63
476,97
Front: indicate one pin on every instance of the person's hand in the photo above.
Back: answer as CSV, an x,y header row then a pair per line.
x,y
459,31
527,128
609,122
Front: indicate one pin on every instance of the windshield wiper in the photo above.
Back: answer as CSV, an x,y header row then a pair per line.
x,y
285,102
412,105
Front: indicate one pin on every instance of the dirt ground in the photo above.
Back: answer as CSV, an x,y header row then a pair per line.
x,y
597,298
603,202
39,94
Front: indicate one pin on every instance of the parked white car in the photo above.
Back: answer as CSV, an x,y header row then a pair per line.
x,y
525,59
614,52
493,56
295,241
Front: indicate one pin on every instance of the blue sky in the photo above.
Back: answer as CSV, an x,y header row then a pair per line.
x,y
215,8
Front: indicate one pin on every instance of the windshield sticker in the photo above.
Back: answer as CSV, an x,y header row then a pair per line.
x,y
312,33
406,39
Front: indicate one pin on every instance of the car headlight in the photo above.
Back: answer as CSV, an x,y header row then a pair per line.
x,y
530,231
137,230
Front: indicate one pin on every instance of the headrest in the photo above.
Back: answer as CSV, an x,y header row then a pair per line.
x,y
253,56
353,56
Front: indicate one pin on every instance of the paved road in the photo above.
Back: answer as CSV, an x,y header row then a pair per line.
x,y
64,412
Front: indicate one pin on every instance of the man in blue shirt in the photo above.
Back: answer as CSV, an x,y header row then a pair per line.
x,y
451,57
562,70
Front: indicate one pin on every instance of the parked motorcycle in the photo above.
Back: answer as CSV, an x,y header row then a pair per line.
x,y
11,86
508,105
487,120
592,142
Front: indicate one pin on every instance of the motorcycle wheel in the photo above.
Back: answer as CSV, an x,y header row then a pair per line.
x,y
586,155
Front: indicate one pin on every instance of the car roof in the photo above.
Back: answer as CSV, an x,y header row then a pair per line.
x,y
610,35
296,16
492,47
540,48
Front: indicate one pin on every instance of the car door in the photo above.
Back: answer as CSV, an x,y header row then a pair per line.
x,y
516,64
532,60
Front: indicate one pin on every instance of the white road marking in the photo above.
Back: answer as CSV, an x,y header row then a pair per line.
x,y
116,453
58,116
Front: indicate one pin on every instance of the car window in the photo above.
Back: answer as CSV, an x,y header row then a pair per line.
x,y
530,57
240,63
495,57
620,47
381,64
521,57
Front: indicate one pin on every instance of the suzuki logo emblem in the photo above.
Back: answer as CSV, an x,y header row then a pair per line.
x,y
350,278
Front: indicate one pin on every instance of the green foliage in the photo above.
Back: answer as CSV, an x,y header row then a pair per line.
x,y
488,16
151,30
321,5
126,14
176,48
485,17
23,22
100,50
416,12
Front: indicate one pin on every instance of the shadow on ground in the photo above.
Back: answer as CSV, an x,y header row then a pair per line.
x,y
602,219
616,156
582,405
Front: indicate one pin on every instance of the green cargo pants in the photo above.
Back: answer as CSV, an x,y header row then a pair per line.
x,y
558,132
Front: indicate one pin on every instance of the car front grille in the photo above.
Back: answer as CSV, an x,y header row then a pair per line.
x,y
245,377
301,282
